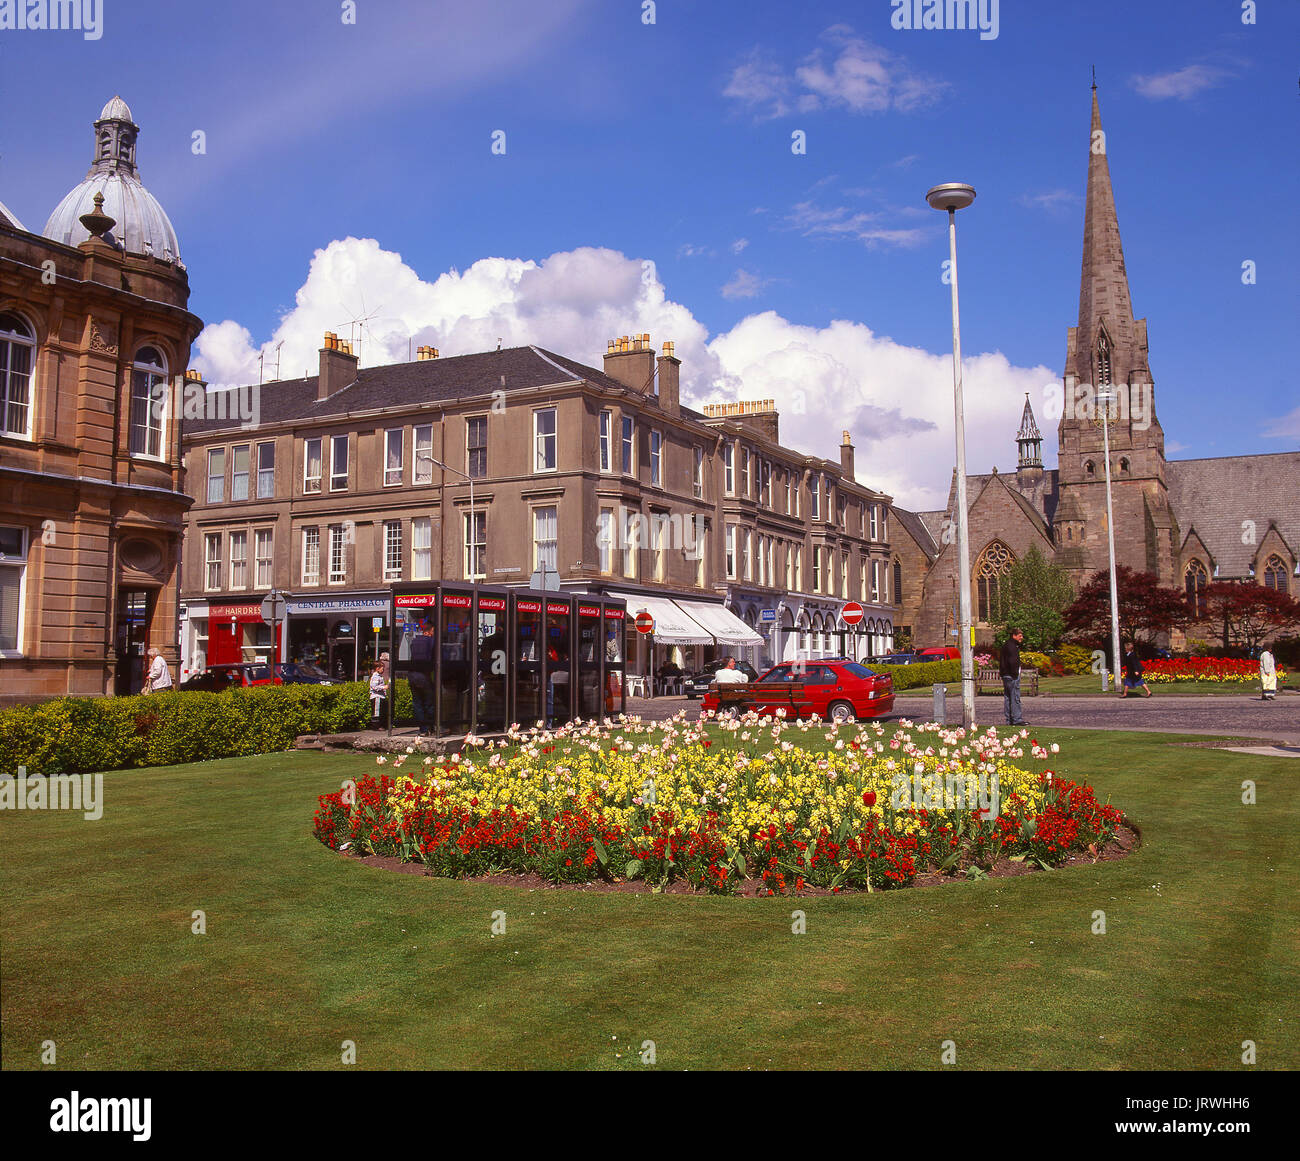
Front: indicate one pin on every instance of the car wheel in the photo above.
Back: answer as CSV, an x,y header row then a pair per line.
x,y
840,712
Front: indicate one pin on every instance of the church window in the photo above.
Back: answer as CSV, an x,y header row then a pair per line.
x,y
1195,580
1103,360
1124,465
1090,468
1275,575
990,573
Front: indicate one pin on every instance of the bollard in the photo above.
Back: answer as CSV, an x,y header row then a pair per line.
x,y
941,704
1105,681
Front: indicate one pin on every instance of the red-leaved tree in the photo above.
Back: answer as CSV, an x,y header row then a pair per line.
x,y
1146,608
1246,614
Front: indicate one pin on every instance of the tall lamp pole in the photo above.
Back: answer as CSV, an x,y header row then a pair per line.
x,y
1105,397
448,468
952,197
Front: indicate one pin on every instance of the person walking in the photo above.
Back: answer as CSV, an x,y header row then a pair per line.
x,y
159,676
1267,675
1009,671
421,679
1133,678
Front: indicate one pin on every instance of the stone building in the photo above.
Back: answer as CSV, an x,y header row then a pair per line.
x,y
520,467
1188,522
93,331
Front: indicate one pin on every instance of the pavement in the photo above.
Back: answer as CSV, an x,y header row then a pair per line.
x,y
1221,716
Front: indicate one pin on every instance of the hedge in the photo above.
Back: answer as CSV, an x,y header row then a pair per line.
x,y
922,673
77,735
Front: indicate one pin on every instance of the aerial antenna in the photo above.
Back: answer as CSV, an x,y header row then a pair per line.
x,y
359,322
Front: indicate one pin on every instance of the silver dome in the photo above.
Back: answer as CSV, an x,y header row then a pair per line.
x,y
142,225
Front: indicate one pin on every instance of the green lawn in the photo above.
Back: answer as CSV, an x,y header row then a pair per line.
x,y
1089,684
305,949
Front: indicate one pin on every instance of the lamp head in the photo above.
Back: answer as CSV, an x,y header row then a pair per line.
x,y
953,195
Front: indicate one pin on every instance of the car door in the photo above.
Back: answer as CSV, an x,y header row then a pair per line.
x,y
819,689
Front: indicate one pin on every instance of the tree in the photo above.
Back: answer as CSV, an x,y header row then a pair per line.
x,y
1032,596
1146,609
1248,613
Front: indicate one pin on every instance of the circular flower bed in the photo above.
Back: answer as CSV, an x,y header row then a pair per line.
x,y
684,801
1182,669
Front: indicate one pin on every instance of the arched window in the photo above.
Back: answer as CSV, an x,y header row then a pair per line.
x,y
1275,575
1194,581
1124,465
994,563
1089,468
17,353
1103,360
803,634
148,403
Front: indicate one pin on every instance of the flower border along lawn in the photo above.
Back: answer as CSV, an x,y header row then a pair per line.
x,y
305,950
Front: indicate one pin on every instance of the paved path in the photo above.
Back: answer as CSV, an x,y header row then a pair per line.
x,y
1221,716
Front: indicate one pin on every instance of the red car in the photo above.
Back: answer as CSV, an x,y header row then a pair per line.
x,y
837,691
940,653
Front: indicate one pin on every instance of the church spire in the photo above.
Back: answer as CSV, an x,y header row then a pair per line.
x,y
1029,439
1107,346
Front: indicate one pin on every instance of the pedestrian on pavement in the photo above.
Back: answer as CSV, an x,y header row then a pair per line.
x,y
1009,670
1267,675
378,692
1133,678
421,679
159,677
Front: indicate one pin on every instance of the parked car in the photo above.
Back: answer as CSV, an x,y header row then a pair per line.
x,y
837,691
940,653
700,683
896,659
218,677
302,673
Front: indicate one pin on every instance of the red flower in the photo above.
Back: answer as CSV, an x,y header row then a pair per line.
x,y
869,798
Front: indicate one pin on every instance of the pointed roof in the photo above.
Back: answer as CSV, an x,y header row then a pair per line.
x,y
1028,428
1104,299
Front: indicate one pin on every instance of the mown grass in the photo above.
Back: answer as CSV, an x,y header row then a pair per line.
x,y
305,949
1089,685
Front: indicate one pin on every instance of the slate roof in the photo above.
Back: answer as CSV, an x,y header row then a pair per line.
x,y
426,381
1214,496
916,528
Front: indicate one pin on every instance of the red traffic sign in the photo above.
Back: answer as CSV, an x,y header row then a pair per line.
x,y
645,623
852,613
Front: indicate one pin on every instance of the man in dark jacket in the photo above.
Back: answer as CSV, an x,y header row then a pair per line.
x,y
1009,669
420,677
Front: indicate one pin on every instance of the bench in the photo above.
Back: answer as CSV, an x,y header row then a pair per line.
x,y
740,698
989,681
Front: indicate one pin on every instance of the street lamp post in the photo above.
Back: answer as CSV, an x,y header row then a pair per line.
x,y
1105,397
952,197
448,468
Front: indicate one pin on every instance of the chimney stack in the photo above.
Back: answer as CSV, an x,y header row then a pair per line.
x,y
338,366
846,456
423,353
631,361
670,368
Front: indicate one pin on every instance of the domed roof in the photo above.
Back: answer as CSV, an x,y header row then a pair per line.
x,y
116,110
141,224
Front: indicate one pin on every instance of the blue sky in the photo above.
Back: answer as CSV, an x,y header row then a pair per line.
x,y
670,142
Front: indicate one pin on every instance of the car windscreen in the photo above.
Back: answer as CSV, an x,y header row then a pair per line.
x,y
858,670
258,673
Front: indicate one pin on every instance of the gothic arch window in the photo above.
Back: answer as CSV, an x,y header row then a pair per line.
x,y
1124,465
148,403
1195,580
1089,468
1103,360
1275,574
17,354
990,570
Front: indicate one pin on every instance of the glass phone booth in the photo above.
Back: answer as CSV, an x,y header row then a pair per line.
x,y
493,664
614,684
456,658
526,646
559,660
590,648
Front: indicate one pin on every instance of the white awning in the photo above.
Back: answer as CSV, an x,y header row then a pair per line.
x,y
726,627
672,625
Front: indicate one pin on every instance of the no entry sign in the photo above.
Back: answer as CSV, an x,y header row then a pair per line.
x,y
645,623
852,613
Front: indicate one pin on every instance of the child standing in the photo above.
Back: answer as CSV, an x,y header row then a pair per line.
x,y
378,691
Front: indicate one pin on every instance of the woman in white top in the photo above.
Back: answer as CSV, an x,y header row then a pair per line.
x,y
160,677
1267,675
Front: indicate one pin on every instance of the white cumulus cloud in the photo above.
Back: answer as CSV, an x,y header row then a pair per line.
x,y
895,400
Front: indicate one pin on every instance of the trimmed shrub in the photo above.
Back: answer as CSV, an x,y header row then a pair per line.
x,y
1074,659
922,673
1039,661
76,735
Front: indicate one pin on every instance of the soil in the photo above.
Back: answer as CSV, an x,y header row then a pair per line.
x,y
1126,840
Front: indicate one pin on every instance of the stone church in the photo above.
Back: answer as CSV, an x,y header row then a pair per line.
x,y
1189,522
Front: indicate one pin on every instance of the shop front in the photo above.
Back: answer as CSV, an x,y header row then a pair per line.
x,y
343,635
235,634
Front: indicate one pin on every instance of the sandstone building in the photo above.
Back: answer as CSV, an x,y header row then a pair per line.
x,y
93,331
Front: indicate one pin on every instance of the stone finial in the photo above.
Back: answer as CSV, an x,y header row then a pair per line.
x,y
97,222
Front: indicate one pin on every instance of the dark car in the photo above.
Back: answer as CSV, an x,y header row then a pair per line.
x,y
895,659
218,677
302,673
700,684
